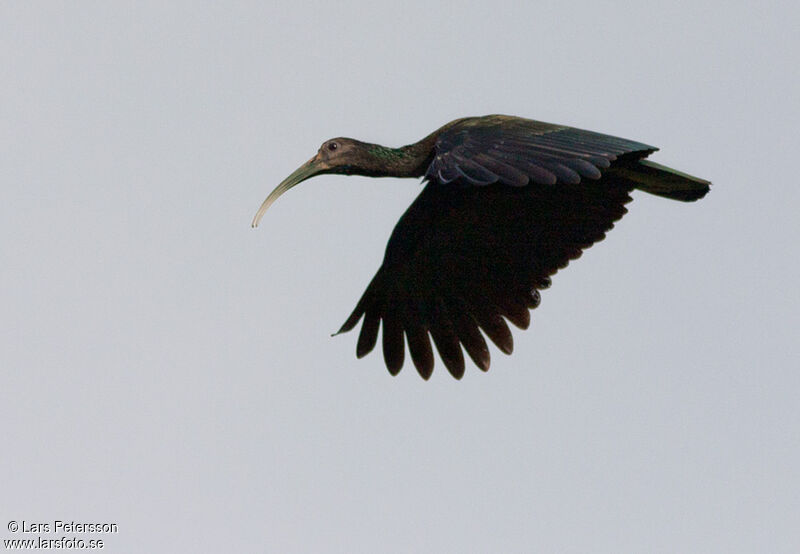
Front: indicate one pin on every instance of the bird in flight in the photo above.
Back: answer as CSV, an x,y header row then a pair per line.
x,y
507,202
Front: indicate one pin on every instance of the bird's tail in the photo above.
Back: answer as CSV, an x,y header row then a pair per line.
x,y
664,181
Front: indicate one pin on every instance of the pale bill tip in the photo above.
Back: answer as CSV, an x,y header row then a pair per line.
x,y
263,209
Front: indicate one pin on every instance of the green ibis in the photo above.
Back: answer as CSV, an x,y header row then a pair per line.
x,y
507,202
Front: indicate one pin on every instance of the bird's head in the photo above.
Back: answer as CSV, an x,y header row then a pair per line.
x,y
337,155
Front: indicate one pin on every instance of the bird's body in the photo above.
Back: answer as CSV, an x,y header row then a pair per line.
x,y
508,202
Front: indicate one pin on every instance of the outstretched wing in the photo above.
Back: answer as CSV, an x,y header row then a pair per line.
x,y
517,151
509,202
463,259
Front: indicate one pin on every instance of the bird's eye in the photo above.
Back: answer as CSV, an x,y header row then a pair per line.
x,y
332,146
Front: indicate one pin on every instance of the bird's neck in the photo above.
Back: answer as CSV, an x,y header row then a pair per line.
x,y
407,161
411,160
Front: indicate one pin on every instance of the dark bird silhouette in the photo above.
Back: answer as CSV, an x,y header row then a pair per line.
x,y
508,202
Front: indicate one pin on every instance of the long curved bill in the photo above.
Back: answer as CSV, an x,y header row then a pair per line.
x,y
309,169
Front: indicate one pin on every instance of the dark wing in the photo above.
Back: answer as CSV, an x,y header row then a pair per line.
x,y
515,151
464,259
509,202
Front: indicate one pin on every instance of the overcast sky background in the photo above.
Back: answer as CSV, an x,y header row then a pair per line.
x,y
168,368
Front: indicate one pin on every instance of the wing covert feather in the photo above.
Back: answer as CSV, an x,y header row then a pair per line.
x,y
516,151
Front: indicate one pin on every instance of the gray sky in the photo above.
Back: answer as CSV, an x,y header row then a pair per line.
x,y
168,368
